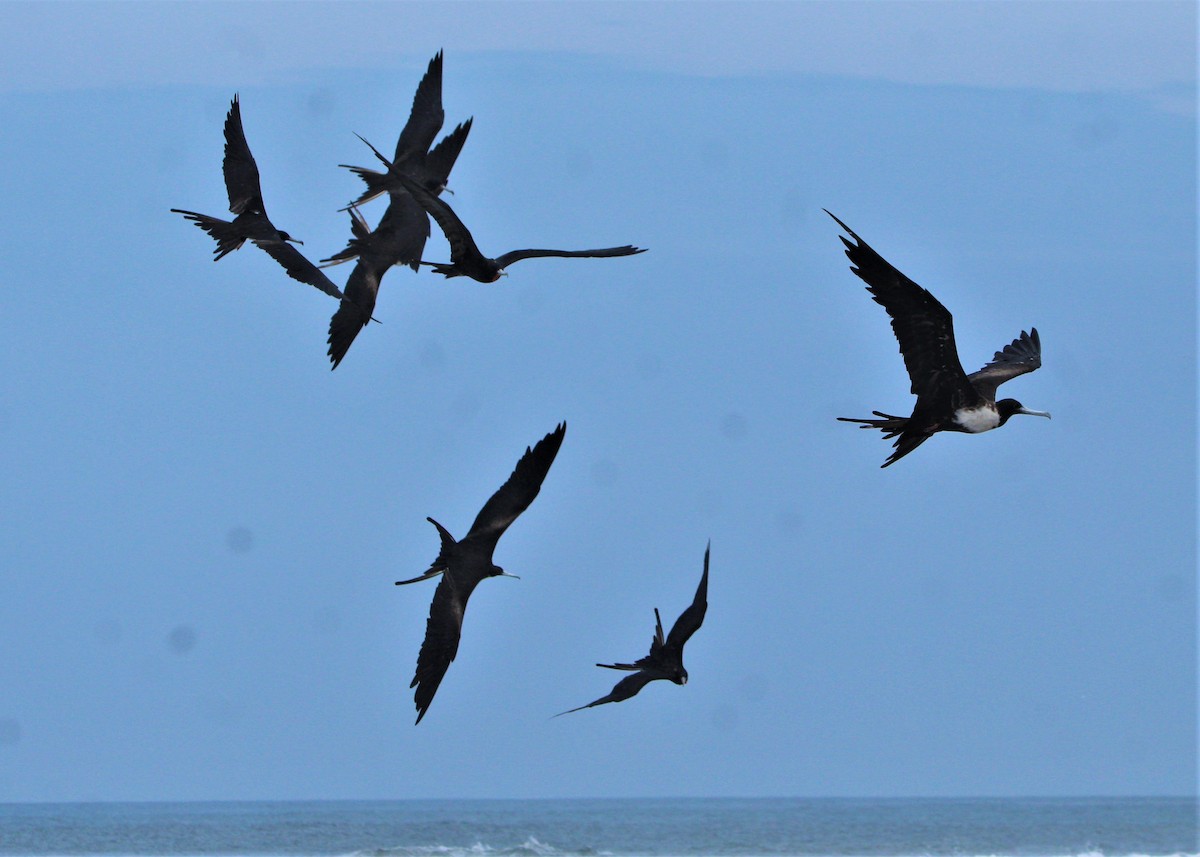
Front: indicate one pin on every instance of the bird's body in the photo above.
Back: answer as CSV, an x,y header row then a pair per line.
x,y
245,200
465,258
463,564
948,399
665,660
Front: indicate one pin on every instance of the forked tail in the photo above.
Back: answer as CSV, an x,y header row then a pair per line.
x,y
226,235
890,425
908,436
376,184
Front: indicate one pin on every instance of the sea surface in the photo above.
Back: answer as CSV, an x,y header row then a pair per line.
x,y
834,827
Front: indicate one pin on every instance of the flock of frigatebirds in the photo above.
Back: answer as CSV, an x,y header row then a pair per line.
x,y
948,399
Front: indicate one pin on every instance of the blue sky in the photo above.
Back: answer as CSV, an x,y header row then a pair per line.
x,y
203,523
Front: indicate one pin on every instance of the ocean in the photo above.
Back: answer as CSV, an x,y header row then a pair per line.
x,y
833,827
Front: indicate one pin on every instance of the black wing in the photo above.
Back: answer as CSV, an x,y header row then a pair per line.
x,y
519,491
440,160
463,251
624,689
298,267
427,115
1023,354
241,173
923,327
442,633
690,619
352,315
512,256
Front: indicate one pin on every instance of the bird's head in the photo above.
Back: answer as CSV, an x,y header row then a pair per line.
x,y
1007,407
497,571
287,237
680,676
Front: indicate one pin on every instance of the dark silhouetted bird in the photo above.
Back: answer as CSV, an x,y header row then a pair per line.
x,y
377,252
948,399
465,563
465,258
245,200
428,167
666,655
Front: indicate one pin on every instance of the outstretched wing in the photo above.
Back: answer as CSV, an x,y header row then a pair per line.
x,y
298,267
923,327
692,618
515,495
241,173
1023,354
624,689
463,250
512,256
352,315
427,115
440,160
442,633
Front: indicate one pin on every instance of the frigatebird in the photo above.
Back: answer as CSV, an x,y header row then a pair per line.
x,y
665,660
465,258
245,200
463,564
948,399
377,252
414,158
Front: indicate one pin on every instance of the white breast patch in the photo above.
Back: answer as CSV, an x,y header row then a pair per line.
x,y
976,420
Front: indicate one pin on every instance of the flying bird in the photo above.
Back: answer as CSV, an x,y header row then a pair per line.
x,y
948,399
377,252
245,201
665,660
465,258
463,564
414,158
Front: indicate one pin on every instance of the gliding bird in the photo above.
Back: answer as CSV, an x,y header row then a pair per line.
x,y
245,200
948,399
463,564
665,660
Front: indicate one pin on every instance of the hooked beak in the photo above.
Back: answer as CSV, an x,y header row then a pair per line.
x,y
295,240
1045,414
506,574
